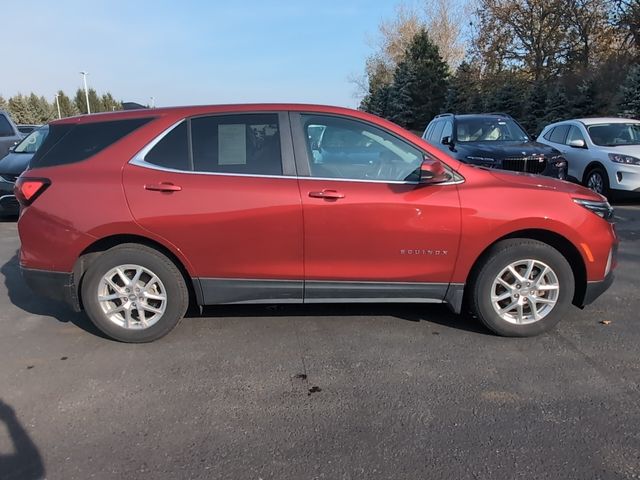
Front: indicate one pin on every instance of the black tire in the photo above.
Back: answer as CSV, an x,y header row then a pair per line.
x,y
177,295
499,257
596,173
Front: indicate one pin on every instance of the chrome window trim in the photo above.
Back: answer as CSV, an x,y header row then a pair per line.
x,y
139,160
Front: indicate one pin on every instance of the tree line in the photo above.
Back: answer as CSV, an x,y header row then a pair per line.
x,y
538,60
37,110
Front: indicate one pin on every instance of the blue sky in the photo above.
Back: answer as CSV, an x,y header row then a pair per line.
x,y
191,52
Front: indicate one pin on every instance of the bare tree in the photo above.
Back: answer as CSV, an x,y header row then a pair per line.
x,y
445,22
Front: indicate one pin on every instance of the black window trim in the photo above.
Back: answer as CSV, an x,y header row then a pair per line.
x,y
303,161
286,147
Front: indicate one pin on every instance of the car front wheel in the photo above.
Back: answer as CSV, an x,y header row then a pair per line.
x,y
522,288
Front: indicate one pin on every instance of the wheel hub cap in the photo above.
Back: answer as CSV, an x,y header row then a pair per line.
x,y
132,297
525,292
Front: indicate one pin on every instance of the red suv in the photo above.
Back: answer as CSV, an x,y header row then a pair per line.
x,y
134,215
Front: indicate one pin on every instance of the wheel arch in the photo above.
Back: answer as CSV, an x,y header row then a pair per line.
x,y
555,240
590,166
93,251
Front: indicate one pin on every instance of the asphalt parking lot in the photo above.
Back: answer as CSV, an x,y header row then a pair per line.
x,y
326,392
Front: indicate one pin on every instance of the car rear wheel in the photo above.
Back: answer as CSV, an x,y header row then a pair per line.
x,y
598,181
133,293
522,288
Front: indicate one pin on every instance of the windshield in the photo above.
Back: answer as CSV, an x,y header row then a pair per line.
x,y
489,129
32,142
615,134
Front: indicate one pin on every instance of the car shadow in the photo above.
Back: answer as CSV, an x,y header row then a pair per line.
x,y
412,312
25,462
23,298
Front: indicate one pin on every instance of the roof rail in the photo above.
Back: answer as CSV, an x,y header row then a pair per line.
x,y
445,115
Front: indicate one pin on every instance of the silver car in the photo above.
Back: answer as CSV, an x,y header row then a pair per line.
x,y
9,134
602,153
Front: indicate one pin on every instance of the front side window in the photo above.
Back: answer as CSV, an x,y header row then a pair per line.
x,y
5,127
436,133
615,134
349,149
245,143
31,143
489,129
574,134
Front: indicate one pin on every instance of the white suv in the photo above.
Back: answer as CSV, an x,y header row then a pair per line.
x,y
603,153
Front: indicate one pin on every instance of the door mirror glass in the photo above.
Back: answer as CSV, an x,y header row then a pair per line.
x,y
577,143
446,140
432,171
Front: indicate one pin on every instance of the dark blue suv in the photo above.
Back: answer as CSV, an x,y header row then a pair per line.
x,y
494,140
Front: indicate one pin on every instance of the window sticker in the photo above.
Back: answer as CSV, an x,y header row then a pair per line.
x,y
232,144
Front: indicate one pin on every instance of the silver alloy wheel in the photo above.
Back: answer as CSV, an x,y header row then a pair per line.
x,y
132,297
596,182
525,292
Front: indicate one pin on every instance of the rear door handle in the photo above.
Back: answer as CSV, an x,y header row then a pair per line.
x,y
163,187
327,194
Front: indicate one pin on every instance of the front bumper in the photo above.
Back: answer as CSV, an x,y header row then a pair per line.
x,y
595,289
58,286
625,179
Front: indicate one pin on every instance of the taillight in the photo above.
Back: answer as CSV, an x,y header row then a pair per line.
x,y
28,189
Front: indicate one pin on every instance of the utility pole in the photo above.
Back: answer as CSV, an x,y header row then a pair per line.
x,y
86,91
58,105
153,102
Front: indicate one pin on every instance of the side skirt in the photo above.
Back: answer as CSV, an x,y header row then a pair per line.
x,y
212,291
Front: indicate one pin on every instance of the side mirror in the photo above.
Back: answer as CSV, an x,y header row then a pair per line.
x,y
578,143
432,171
446,140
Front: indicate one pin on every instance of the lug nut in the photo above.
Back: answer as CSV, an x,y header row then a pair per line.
x,y
518,286
517,296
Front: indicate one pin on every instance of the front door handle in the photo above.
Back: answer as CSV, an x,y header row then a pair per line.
x,y
327,194
163,187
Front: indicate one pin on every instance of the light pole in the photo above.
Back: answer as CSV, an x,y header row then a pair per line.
x,y
58,105
153,102
86,91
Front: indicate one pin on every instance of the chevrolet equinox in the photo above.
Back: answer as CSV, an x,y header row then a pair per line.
x,y
133,216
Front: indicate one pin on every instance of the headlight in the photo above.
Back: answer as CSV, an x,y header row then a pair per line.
x,y
602,209
625,159
480,159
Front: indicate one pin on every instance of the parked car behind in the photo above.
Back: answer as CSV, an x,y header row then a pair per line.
x,y
603,153
493,140
13,164
9,134
296,204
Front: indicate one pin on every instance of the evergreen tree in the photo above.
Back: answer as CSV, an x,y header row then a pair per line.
x,y
585,103
557,105
94,101
377,101
535,107
42,111
109,104
430,74
21,110
68,108
463,95
630,99
3,103
400,102
507,98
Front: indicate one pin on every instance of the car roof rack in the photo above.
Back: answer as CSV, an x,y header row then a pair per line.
x,y
445,115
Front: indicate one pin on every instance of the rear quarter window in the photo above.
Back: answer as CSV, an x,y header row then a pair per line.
x,y
71,143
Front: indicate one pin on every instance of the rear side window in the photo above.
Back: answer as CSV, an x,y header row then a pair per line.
x,y
5,127
245,143
71,143
172,151
559,134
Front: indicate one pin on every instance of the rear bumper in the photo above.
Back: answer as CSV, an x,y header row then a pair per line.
x,y
58,286
595,289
